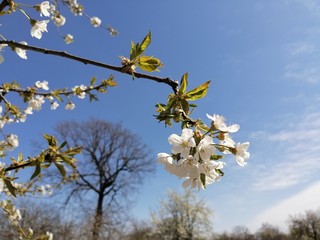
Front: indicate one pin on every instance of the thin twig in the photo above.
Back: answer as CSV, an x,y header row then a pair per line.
x,y
173,84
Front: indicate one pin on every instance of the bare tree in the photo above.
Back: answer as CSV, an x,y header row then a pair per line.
x,y
241,233
305,226
40,217
270,232
140,230
114,163
182,217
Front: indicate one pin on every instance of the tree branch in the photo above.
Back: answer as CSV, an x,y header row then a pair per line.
x,y
172,83
3,4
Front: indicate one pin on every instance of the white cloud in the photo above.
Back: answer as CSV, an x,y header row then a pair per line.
x,y
301,48
300,72
308,199
296,156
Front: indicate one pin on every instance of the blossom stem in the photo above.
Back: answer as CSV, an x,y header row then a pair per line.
x,y
24,5
24,12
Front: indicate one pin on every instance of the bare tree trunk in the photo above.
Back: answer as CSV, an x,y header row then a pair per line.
x,y
98,218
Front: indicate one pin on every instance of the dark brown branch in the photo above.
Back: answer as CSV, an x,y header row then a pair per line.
x,y
14,167
4,4
173,84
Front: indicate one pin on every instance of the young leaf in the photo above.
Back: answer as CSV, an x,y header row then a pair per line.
x,y
145,42
183,83
133,52
138,49
93,81
51,140
61,169
63,145
198,92
111,83
203,180
185,106
36,171
216,157
149,64
10,187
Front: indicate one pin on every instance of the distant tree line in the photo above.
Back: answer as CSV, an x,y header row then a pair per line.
x,y
178,217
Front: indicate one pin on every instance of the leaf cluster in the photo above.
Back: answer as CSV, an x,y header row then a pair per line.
x,y
58,155
137,59
178,106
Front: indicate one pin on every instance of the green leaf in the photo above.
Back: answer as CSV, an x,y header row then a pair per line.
x,y
183,83
145,42
133,52
93,81
36,171
111,83
149,63
138,49
10,187
220,172
185,106
203,180
61,169
63,145
20,157
216,157
198,92
93,97
51,140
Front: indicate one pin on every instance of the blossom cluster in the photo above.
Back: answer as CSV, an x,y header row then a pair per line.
x,y
11,212
194,154
14,216
52,12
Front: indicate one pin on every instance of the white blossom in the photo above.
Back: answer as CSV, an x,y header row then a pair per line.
x,y
241,153
28,110
23,118
1,185
205,148
70,106
209,169
219,123
50,235
113,32
54,105
43,85
36,102
68,39
30,231
12,140
44,9
165,158
1,47
182,144
21,52
80,91
38,27
59,20
95,21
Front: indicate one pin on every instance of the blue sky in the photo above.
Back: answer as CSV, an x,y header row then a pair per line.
x,y
263,60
